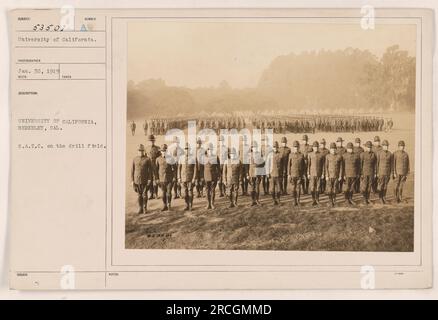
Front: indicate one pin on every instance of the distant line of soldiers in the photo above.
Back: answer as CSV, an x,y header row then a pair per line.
x,y
285,124
305,168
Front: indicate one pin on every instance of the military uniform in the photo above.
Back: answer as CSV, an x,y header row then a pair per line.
x,y
232,177
245,156
178,154
323,183
401,171
265,177
367,172
315,170
357,150
306,150
384,170
165,176
211,177
340,150
333,169
141,176
223,156
375,150
187,177
200,182
285,152
256,174
274,171
351,163
296,172
153,153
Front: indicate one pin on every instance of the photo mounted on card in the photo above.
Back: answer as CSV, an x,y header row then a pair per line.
x,y
221,148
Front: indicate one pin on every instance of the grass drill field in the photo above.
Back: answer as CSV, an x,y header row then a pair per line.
x,y
361,227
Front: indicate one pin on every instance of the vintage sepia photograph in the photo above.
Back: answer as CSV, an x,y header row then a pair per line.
x,y
270,135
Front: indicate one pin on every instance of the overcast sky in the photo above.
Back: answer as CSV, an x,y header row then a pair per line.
x,y
202,54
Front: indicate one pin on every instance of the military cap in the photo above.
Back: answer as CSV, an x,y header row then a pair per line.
x,y
305,137
322,141
332,145
151,137
368,144
357,140
296,144
140,147
315,144
164,147
283,140
276,144
349,145
401,143
340,139
385,143
377,138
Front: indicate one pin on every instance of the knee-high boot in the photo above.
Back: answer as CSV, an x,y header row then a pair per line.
x,y
140,204
253,198
145,203
186,199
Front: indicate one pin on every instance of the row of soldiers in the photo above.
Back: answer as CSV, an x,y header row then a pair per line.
x,y
316,168
339,169
292,124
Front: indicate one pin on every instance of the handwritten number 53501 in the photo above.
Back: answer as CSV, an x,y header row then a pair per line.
x,y
49,27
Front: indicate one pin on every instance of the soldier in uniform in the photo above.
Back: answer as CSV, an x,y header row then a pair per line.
x,y
187,176
165,176
351,164
153,152
256,173
178,153
211,175
296,165
305,150
132,126
245,165
358,150
223,156
333,169
384,170
141,175
325,152
367,170
376,148
315,171
401,170
340,150
285,151
200,156
232,175
265,179
274,170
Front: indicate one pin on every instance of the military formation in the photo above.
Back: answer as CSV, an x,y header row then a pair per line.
x,y
303,169
280,125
